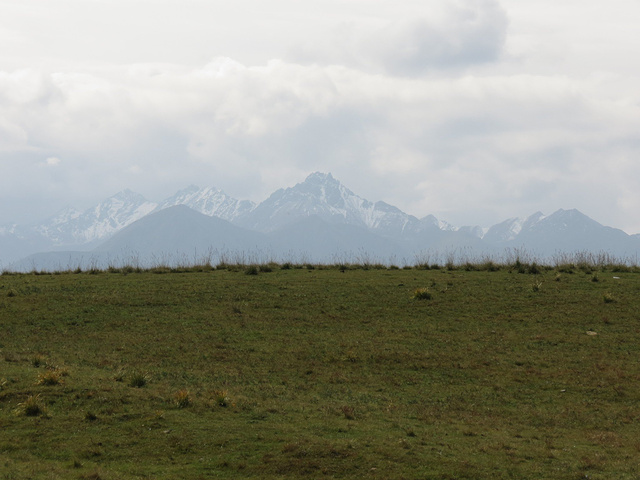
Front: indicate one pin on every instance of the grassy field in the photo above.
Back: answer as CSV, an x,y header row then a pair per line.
x,y
319,372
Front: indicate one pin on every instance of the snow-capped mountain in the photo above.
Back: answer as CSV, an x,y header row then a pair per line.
x,y
571,230
440,224
320,195
71,227
562,231
209,201
323,196
320,214
511,228
83,230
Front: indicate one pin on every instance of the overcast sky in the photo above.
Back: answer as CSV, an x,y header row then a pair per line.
x,y
471,110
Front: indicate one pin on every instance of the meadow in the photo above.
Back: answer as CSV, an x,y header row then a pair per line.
x,y
346,371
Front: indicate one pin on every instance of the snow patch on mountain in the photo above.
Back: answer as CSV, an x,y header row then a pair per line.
x,y
511,228
8,229
328,195
71,227
442,225
113,215
322,195
319,202
209,201
49,228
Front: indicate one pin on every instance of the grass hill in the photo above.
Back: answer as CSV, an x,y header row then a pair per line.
x,y
336,372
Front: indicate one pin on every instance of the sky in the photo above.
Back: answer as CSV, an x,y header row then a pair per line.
x,y
474,111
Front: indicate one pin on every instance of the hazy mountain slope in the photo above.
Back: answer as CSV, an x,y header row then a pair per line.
x,y
15,244
564,231
181,233
314,239
570,231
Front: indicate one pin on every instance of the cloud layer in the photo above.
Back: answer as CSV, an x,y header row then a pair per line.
x,y
446,109
453,35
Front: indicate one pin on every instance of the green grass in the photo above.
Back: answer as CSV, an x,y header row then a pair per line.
x,y
320,372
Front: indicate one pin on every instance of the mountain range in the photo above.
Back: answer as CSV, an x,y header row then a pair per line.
x,y
317,220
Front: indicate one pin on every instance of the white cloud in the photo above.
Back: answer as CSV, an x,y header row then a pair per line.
x,y
437,107
491,136
441,35
469,33
12,136
52,161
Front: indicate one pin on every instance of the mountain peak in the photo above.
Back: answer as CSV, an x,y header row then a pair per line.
x,y
322,195
123,200
319,177
323,202
193,188
567,219
570,213
126,196
210,201
323,192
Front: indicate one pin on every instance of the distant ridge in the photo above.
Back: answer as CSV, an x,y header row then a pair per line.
x,y
318,218
181,231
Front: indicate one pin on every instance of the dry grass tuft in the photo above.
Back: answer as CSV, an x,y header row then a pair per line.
x,y
182,399
33,406
422,294
52,376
